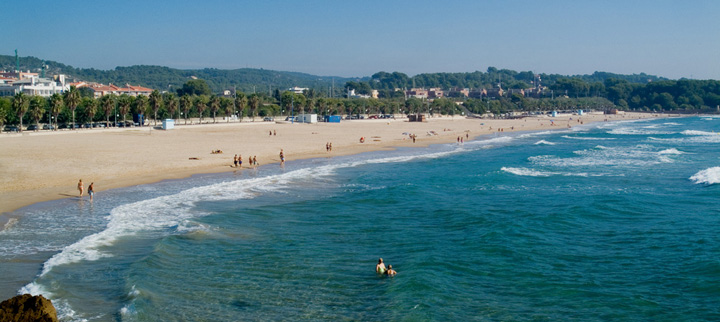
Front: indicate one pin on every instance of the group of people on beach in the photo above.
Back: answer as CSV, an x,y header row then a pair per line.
x,y
91,189
328,146
237,161
381,269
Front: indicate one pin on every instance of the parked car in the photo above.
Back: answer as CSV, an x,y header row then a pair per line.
x,y
87,125
268,119
290,118
48,127
98,124
33,127
11,128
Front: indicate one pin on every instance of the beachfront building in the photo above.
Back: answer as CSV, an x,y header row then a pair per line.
x,y
352,94
420,93
31,84
459,92
101,89
298,90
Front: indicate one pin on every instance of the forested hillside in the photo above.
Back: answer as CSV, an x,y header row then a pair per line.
x,y
164,78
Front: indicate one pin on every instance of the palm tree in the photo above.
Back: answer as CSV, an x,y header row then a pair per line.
x,y
20,105
107,102
91,106
155,103
186,103
201,104
214,105
171,104
124,103
56,105
72,99
3,116
240,103
37,109
254,104
228,107
141,106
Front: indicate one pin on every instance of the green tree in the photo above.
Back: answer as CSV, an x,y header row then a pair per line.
x,y
4,110
56,106
186,103
107,103
20,106
37,109
201,103
142,103
254,104
195,87
72,99
171,104
155,103
228,106
240,103
91,106
124,104
214,106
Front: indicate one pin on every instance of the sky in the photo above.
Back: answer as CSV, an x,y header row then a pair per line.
x,y
673,39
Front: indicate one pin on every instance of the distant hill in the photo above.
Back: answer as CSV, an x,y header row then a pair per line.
x,y
262,80
164,78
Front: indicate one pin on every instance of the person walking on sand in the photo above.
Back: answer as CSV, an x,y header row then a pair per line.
x,y
282,157
91,190
380,267
81,188
235,160
240,160
255,160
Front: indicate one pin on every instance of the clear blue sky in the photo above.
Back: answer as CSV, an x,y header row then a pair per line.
x,y
359,38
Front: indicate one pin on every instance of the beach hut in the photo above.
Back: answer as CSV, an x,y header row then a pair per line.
x,y
168,124
306,118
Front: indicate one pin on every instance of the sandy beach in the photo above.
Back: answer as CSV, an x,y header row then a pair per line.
x,y
41,166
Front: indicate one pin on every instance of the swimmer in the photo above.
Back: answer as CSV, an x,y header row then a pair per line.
x,y
282,157
390,271
380,267
91,190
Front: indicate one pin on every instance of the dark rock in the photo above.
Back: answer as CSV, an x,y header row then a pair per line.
x,y
27,308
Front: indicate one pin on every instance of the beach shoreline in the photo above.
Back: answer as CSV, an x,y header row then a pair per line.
x,y
37,166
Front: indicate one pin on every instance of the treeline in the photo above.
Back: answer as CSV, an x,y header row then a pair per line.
x,y
599,90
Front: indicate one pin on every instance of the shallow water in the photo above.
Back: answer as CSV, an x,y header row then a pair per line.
x,y
617,221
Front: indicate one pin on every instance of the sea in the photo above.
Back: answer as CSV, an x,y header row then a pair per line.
x,y
611,221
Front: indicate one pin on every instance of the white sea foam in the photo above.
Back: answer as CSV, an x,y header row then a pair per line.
x,y
708,176
695,132
671,151
635,131
671,123
543,142
633,156
527,172
586,138
537,173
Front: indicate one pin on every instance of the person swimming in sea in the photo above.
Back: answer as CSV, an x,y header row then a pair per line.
x,y
380,267
390,271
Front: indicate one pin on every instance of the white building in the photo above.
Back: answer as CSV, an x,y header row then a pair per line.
x,y
298,90
34,85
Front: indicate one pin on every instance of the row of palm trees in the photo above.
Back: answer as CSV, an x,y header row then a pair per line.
x,y
174,106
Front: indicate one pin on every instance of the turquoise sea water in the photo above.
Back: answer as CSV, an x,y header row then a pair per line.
x,y
613,221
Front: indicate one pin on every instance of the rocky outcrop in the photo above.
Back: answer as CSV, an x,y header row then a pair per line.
x,y
27,308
